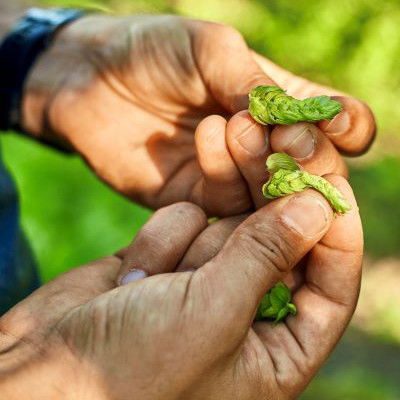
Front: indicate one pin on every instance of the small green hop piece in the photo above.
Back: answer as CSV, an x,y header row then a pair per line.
x,y
287,178
271,105
276,304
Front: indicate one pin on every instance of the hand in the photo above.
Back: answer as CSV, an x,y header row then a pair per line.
x,y
128,94
190,335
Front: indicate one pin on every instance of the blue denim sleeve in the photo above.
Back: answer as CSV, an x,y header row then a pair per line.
x,y
18,273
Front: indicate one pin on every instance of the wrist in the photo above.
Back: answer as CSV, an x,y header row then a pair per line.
x,y
45,79
62,68
20,51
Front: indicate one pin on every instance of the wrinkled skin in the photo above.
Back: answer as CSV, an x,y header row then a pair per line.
x,y
134,96
186,332
128,94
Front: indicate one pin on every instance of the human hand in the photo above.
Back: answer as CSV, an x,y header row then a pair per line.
x,y
190,335
128,94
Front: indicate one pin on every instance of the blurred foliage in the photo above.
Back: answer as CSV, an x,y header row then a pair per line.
x,y
377,188
349,384
353,45
69,216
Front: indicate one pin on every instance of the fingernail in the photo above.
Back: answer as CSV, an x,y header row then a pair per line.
x,y
241,102
132,276
189,270
253,139
306,214
299,142
339,124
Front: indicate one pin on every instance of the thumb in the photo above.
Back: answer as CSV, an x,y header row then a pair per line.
x,y
352,131
262,250
226,64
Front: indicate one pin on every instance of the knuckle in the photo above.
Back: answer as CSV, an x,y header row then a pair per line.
x,y
298,369
256,78
366,121
185,211
234,206
367,114
268,247
152,242
362,131
228,34
210,243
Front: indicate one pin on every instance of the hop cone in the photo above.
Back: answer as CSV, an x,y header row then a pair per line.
x,y
287,178
271,105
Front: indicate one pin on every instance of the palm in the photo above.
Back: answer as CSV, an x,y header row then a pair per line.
x,y
131,101
139,108
269,359
168,98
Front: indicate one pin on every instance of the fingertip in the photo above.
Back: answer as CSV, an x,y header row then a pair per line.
x,y
221,177
346,232
342,184
244,134
297,140
310,147
185,211
210,129
212,152
131,276
353,130
162,241
249,145
308,213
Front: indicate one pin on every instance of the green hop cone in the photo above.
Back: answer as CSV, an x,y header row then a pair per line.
x,y
287,178
271,105
276,304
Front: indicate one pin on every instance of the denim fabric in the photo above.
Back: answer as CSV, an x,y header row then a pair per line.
x,y
18,274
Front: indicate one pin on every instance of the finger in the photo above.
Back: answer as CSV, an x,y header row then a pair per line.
x,y
334,265
208,244
222,190
352,130
310,147
233,71
162,242
261,250
248,143
327,299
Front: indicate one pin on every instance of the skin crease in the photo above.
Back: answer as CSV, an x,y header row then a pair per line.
x,y
129,93
82,337
133,96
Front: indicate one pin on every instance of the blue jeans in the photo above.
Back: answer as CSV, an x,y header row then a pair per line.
x,y
18,273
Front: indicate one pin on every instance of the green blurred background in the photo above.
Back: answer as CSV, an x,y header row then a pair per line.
x,y
353,45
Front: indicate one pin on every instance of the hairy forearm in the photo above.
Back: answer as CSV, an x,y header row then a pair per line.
x,y
11,11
